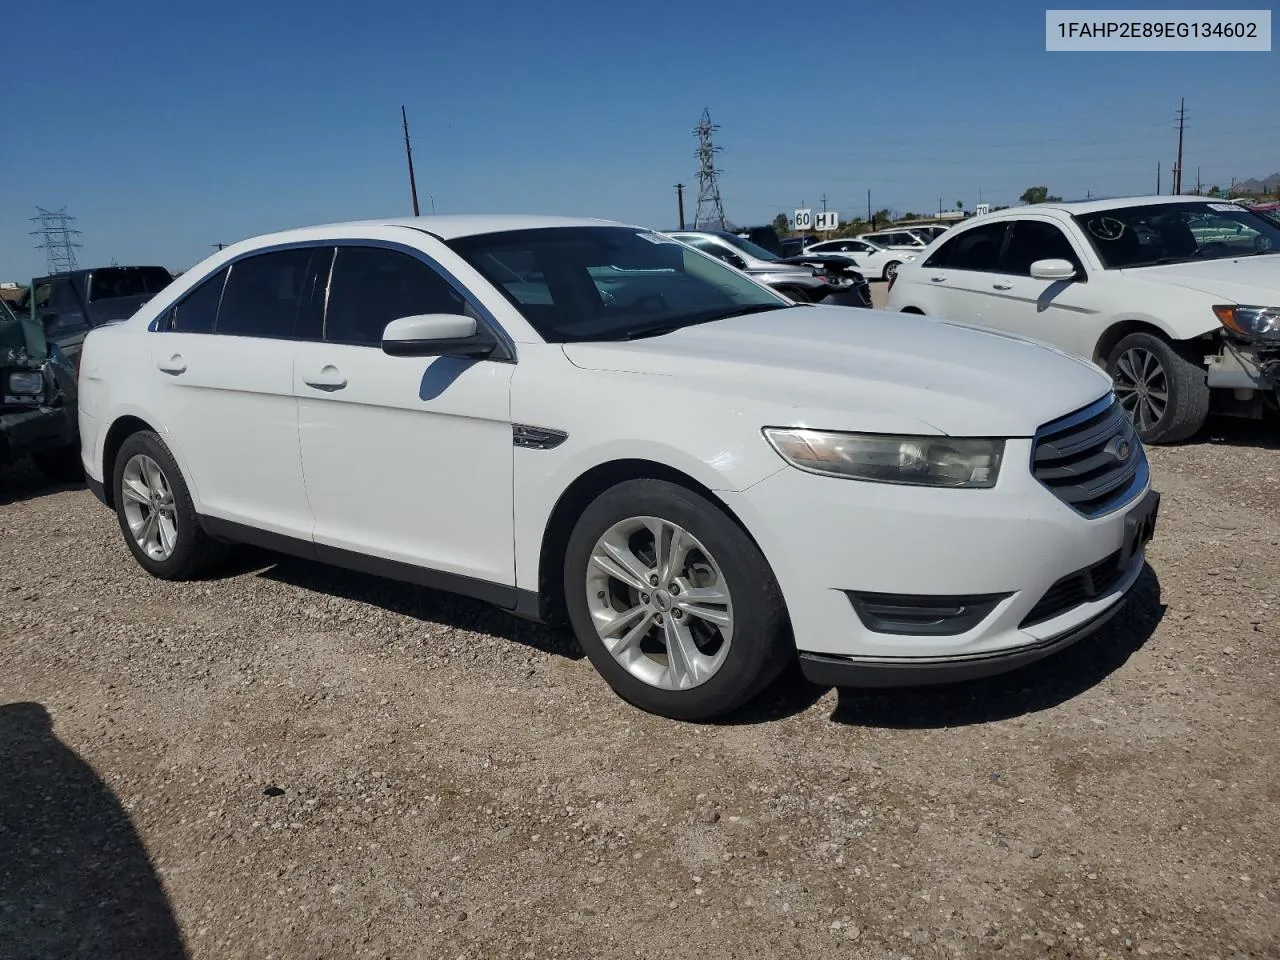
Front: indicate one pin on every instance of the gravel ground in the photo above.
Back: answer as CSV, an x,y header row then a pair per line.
x,y
287,761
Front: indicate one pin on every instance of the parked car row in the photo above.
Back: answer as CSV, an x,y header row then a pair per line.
x,y
1178,298
598,425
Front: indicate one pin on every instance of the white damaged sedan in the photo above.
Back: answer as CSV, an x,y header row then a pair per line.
x,y
586,423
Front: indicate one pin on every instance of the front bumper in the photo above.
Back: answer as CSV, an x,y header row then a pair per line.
x,y
1016,548
42,428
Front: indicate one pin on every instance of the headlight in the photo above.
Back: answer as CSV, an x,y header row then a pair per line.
x,y
1262,323
917,461
26,384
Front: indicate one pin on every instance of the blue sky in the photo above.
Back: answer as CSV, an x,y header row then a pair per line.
x,y
167,128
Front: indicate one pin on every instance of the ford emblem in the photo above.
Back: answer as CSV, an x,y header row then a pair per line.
x,y
1119,448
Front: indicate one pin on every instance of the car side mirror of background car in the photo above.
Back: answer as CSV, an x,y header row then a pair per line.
x,y
1053,270
436,335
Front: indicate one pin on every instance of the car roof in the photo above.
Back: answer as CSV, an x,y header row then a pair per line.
x,y
1096,206
448,227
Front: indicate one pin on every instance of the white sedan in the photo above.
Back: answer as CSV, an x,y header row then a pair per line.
x,y
1177,297
871,259
588,423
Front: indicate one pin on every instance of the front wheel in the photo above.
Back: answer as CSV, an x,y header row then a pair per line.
x,y
891,269
1164,393
674,604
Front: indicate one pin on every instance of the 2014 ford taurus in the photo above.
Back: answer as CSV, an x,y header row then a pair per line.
x,y
586,422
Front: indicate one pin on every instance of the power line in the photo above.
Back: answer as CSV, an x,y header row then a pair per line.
x,y
708,179
56,232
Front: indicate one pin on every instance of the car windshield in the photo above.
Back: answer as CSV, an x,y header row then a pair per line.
x,y
1150,235
610,283
751,249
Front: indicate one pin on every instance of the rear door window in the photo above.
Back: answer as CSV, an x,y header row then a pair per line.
x,y
977,248
273,295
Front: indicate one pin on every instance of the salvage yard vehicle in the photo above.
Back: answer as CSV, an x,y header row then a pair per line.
x,y
37,398
1178,298
872,260
70,304
587,423
804,278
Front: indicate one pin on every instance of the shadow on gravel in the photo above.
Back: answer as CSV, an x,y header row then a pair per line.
x,y
1038,686
420,603
1234,432
20,480
75,879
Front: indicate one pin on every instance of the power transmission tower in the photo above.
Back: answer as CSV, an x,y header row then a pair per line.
x,y
1177,167
56,235
710,209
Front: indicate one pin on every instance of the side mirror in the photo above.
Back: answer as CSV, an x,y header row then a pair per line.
x,y
1053,270
436,335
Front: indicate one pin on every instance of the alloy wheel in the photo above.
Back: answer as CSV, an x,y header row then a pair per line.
x,y
660,603
149,509
1141,386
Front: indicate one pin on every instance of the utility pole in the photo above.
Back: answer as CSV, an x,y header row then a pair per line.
x,y
219,245
408,152
824,203
1157,179
1197,181
939,208
680,202
1177,169
869,220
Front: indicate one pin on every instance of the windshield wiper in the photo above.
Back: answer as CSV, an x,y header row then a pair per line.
x,y
638,333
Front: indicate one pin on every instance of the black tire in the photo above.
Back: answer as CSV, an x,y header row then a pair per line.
x,y
61,465
760,645
1183,379
891,268
193,551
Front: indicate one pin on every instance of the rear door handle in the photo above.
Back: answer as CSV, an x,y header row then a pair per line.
x,y
1002,286
174,365
328,378
937,279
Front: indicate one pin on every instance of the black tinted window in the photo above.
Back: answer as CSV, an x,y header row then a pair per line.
x,y
975,249
372,286
197,311
270,295
111,282
1034,240
59,307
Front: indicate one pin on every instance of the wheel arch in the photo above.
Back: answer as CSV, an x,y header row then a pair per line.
x,y
577,496
1113,334
121,429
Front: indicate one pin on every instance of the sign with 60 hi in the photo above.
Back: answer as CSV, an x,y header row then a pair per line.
x,y
822,220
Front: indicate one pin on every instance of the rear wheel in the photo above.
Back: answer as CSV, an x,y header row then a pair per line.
x,y
1164,393
155,511
673,602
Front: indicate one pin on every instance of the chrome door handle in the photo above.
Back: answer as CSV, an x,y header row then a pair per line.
x,y
937,279
328,378
174,365
1002,286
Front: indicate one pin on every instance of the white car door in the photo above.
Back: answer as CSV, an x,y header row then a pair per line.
x,y
1064,313
961,279
406,459
223,362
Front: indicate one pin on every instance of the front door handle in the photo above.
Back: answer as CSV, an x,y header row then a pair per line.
x,y
174,365
328,378
1002,286
937,278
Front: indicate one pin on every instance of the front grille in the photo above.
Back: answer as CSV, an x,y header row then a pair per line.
x,y
1075,589
1091,460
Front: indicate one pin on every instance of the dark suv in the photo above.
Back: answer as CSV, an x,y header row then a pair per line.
x,y
71,304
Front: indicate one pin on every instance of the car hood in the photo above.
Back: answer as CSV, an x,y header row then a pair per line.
x,y
1253,280
856,369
